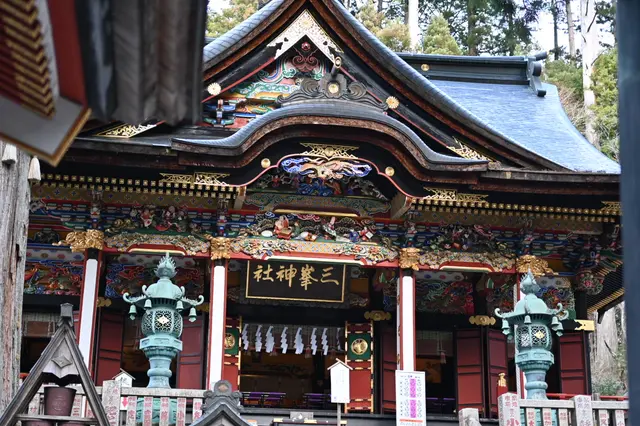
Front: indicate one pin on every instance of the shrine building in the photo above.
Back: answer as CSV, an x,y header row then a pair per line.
x,y
337,200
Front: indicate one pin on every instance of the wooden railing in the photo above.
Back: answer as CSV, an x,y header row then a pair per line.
x,y
121,404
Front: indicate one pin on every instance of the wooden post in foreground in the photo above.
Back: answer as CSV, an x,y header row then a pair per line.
x,y
628,16
14,220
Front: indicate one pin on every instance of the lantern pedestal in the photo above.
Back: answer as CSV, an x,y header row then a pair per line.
x,y
535,364
160,349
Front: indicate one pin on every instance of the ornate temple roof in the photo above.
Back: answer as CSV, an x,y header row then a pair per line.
x,y
492,95
331,109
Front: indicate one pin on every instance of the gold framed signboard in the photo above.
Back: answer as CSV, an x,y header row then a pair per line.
x,y
296,281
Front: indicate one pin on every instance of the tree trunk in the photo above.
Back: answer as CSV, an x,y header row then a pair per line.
x,y
472,41
589,32
570,29
614,5
406,12
414,27
14,211
604,348
380,6
623,322
556,46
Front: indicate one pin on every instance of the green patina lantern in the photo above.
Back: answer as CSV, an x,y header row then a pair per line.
x,y
162,303
533,322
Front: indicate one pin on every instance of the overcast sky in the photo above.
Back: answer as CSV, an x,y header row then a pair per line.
x,y
543,33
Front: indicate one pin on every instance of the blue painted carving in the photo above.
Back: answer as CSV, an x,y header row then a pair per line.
x,y
325,169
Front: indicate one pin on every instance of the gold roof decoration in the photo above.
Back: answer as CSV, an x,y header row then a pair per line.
x,y
612,208
125,131
79,241
220,247
533,264
441,194
198,178
328,152
392,102
465,152
306,25
214,89
409,258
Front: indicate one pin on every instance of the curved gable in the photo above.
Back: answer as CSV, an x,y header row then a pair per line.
x,y
262,34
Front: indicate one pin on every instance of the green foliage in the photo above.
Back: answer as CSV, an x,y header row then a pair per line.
x,y
227,19
453,11
608,386
391,32
565,74
513,26
499,27
438,39
605,87
395,35
369,16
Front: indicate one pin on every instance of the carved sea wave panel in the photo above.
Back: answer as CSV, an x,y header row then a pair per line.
x,y
53,277
127,278
434,296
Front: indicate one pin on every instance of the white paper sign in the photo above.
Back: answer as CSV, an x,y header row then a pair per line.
x,y
411,404
340,391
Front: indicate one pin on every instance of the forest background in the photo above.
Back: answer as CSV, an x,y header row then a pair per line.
x,y
584,69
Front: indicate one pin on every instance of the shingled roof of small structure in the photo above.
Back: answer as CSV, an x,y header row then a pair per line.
x,y
511,112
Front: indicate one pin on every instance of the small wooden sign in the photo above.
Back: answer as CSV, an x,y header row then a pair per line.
x,y
296,281
340,386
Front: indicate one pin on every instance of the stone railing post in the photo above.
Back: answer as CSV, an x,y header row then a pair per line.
x,y
111,390
583,410
469,417
509,410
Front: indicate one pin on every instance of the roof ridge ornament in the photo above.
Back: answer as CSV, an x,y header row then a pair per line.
x,y
305,25
534,71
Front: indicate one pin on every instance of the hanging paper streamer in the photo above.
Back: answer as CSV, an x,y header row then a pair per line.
x,y
284,340
323,340
314,341
259,339
338,338
298,341
270,342
245,337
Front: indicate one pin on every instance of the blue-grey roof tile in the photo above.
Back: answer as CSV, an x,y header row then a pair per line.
x,y
537,124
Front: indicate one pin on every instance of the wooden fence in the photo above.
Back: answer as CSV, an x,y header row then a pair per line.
x,y
581,410
121,404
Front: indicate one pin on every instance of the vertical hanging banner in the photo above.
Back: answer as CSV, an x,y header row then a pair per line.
x,y
411,409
